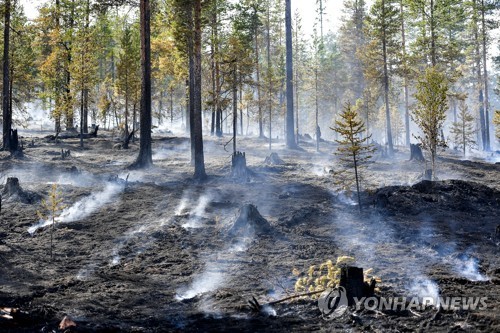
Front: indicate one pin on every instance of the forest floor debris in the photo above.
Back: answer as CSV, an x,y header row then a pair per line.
x,y
447,227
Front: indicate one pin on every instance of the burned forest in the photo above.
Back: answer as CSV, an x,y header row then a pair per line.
x,y
250,166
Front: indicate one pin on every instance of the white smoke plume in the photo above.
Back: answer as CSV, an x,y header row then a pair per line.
x,y
84,207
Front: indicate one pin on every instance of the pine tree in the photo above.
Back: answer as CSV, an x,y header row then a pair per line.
x,y
383,26
430,111
352,40
51,209
145,157
128,73
463,130
290,133
354,150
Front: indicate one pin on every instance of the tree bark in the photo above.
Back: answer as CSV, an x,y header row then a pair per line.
x,y
485,77
480,82
405,77
235,104
199,159
386,84
290,137
270,92
7,116
433,35
145,158
257,71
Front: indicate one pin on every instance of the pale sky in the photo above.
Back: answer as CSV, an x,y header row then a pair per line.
x,y
307,9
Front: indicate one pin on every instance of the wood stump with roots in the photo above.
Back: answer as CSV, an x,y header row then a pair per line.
x,y
239,166
274,159
353,280
12,190
12,187
249,222
416,153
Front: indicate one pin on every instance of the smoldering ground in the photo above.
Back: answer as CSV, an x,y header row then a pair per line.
x,y
156,253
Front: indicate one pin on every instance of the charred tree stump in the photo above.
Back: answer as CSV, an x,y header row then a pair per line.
x,y
274,159
126,142
416,153
249,222
239,166
352,279
65,154
12,187
13,190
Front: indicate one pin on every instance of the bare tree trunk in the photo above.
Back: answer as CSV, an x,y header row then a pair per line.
x,y
290,137
235,105
171,105
7,116
316,102
480,81
405,77
270,92
259,102
485,76
199,159
68,104
433,34
145,158
386,86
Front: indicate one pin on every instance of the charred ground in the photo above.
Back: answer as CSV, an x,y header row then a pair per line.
x,y
154,253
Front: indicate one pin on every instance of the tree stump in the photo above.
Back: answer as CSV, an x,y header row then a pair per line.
x,y
416,153
65,154
352,279
249,222
12,187
13,190
239,166
274,159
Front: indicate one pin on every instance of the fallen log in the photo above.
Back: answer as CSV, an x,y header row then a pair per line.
x,y
73,135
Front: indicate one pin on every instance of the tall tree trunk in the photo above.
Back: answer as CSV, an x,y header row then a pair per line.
x,y
270,92
191,81
485,76
7,116
290,137
212,60
433,34
405,77
160,106
85,122
199,159
126,105
257,71
241,103
235,105
68,102
171,105
386,84
145,158
297,81
316,104
480,81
